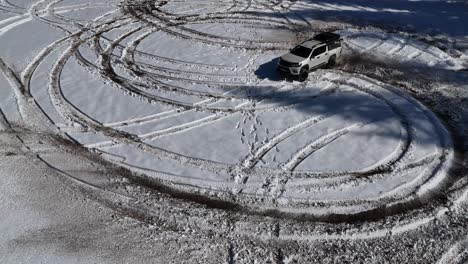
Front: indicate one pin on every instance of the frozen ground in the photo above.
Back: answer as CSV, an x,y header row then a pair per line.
x,y
158,131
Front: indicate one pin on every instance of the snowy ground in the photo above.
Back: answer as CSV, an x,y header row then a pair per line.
x,y
153,126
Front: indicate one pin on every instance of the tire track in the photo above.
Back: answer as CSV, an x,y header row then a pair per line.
x,y
428,173
318,144
252,159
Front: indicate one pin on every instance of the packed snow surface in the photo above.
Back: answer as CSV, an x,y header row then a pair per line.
x,y
185,94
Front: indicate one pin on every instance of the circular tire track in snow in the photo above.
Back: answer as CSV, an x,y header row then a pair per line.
x,y
259,178
408,174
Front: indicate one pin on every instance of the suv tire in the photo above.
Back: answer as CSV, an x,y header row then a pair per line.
x,y
331,61
303,74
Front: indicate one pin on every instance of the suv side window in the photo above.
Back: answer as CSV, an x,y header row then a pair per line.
x,y
334,44
319,50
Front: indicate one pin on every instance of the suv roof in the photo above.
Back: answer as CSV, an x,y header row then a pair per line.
x,y
310,43
326,37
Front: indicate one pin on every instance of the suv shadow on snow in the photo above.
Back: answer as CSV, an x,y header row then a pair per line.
x,y
268,71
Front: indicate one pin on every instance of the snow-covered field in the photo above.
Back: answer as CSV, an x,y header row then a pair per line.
x,y
170,115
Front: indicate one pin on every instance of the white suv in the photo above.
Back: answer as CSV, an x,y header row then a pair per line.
x,y
321,50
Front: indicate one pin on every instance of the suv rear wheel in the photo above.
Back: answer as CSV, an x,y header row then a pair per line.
x,y
331,61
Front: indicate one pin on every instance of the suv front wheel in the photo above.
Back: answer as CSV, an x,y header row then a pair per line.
x,y
303,74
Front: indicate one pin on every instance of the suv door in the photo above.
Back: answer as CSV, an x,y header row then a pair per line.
x,y
318,56
334,47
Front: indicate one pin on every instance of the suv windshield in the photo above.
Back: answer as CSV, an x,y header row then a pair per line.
x,y
301,51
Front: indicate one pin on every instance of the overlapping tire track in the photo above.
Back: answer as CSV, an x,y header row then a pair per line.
x,y
247,178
